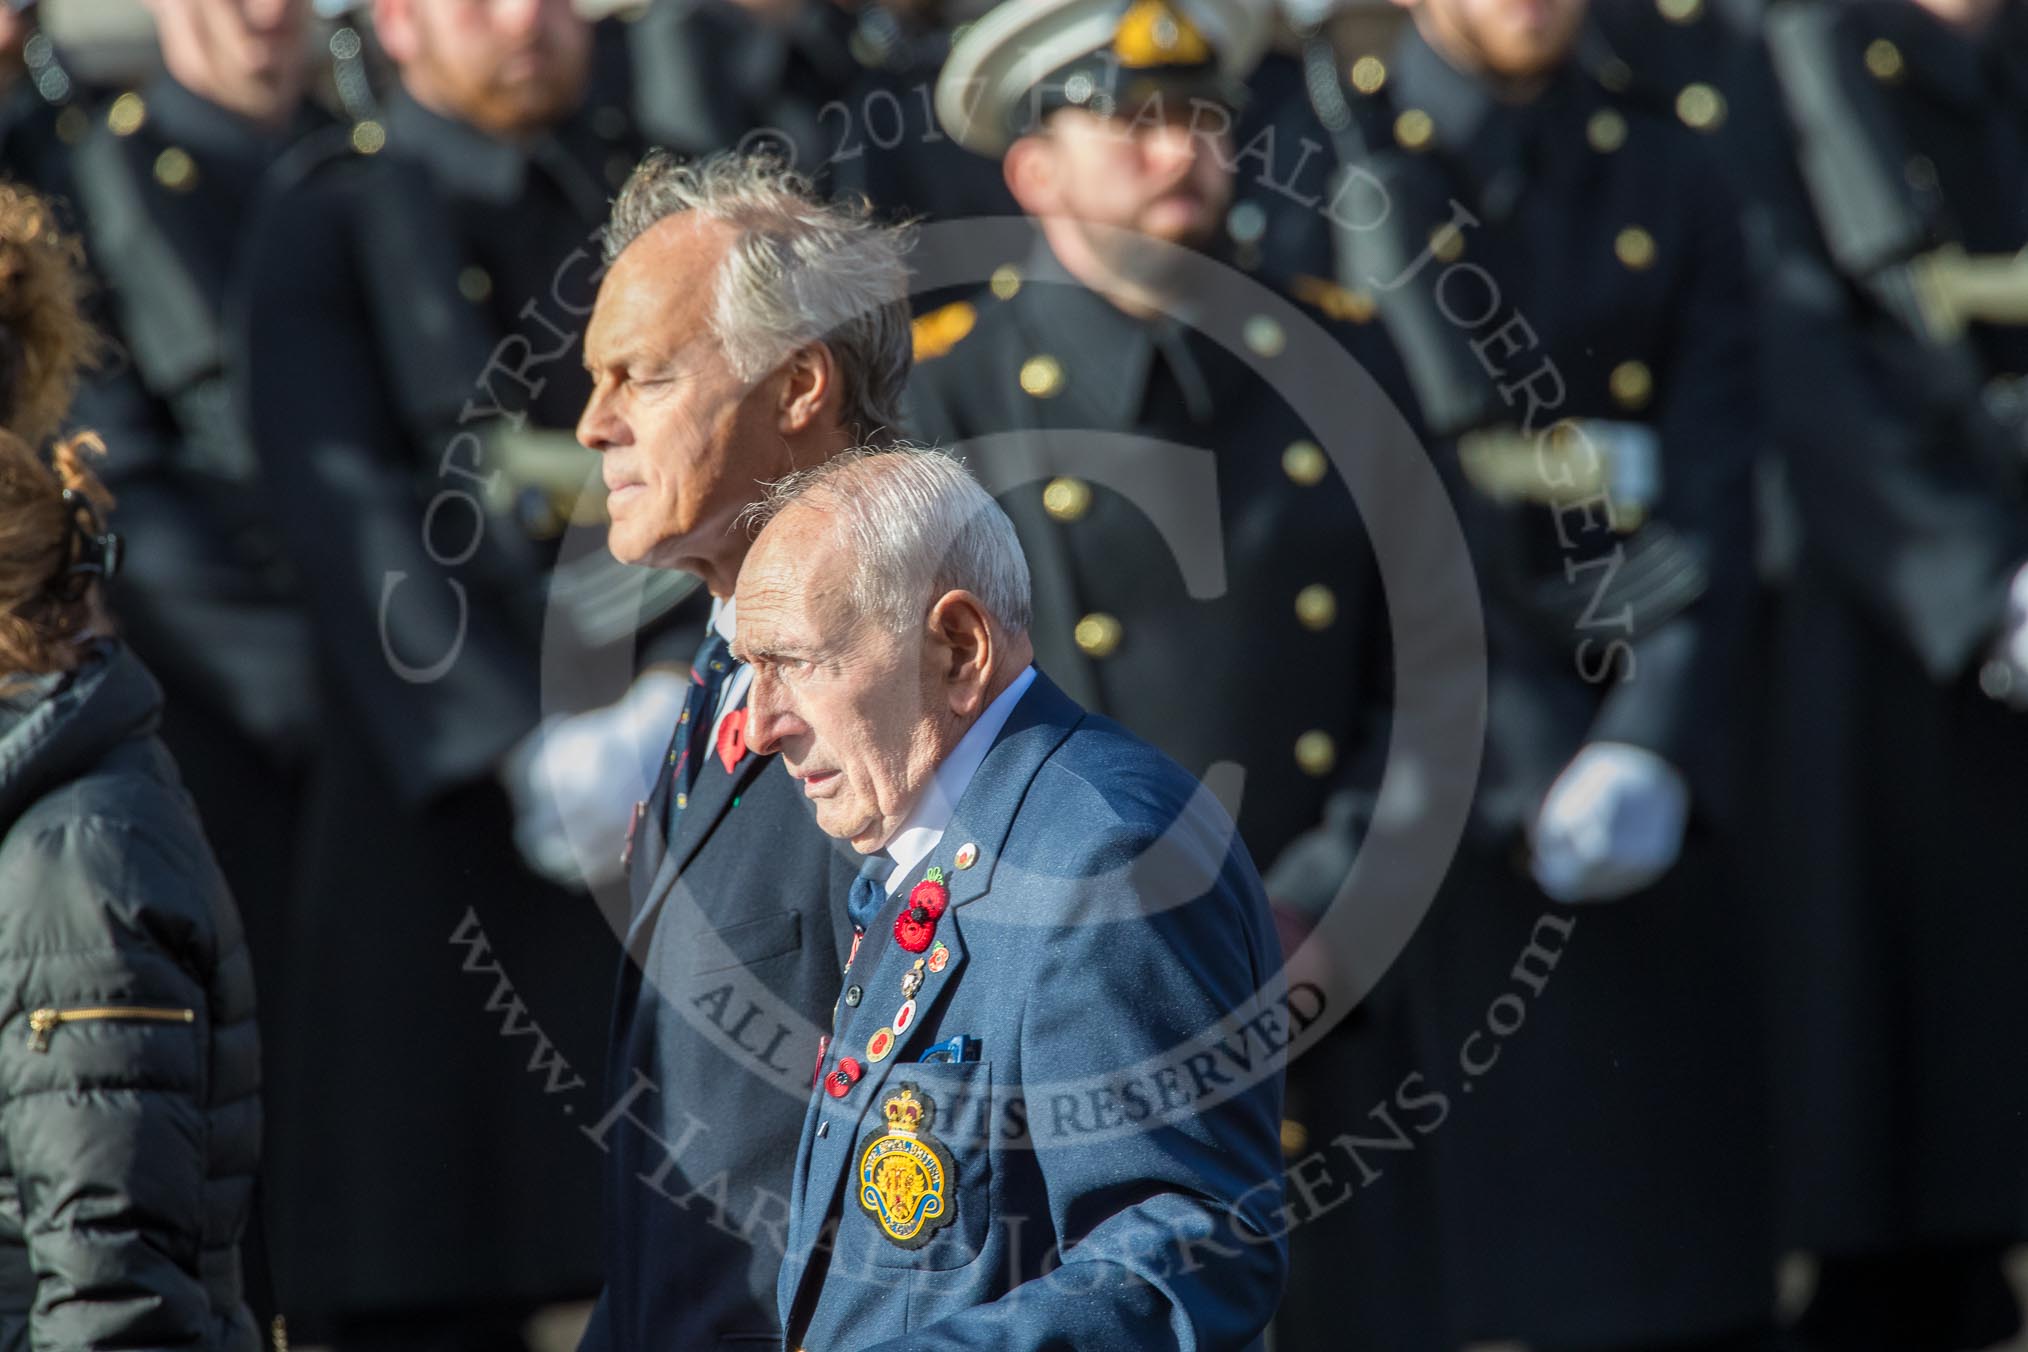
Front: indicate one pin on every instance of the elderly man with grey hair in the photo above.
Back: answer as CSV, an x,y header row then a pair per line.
x,y
745,330
1049,1105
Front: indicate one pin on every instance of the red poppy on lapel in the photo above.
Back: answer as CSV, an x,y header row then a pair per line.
x,y
732,739
914,927
931,896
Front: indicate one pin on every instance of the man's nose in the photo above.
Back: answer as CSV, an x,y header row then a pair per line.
x,y
599,427
766,715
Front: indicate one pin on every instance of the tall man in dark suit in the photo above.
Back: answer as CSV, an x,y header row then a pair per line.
x,y
1050,1099
745,330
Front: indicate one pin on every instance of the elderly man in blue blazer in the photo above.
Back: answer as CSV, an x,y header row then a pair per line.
x,y
1047,1112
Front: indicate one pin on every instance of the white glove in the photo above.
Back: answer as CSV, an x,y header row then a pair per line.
x,y
576,778
2006,674
1611,824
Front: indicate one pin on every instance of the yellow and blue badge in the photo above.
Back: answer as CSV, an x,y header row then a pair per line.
x,y
905,1174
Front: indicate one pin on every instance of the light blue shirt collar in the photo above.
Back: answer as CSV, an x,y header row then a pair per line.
x,y
925,825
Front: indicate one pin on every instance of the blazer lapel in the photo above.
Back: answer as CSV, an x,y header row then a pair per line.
x,y
711,797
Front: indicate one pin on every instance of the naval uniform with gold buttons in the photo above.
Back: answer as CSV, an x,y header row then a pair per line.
x,y
1897,803
393,261
1263,665
1575,256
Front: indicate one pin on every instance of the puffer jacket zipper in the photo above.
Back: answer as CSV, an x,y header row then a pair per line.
x,y
43,1022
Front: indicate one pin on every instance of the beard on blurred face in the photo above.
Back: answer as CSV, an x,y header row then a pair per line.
x,y
505,84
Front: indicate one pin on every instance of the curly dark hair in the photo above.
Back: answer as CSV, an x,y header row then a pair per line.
x,y
44,341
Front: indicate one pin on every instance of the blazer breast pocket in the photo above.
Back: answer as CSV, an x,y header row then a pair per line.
x,y
745,943
920,1193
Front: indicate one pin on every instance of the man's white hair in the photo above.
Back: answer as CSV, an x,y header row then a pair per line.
x,y
917,525
800,270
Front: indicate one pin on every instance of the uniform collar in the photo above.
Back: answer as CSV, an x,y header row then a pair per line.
x,y
926,821
1107,354
470,161
1499,143
216,134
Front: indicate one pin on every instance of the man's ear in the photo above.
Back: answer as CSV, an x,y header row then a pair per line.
x,y
809,388
966,637
1029,167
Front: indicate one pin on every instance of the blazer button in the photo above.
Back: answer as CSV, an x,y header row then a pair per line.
x,y
853,995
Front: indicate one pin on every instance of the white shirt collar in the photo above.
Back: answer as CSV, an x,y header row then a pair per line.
x,y
724,617
925,825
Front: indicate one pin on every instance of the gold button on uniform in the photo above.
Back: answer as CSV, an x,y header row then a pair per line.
x,y
1304,462
1316,753
175,170
1883,60
1606,131
71,125
1316,607
1701,107
368,137
1447,243
1295,1137
1041,376
1680,11
1006,281
1413,129
127,114
1066,499
475,284
1634,247
1632,384
1098,635
1369,73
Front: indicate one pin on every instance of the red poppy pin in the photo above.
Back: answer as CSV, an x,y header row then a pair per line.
x,y
931,894
917,923
732,739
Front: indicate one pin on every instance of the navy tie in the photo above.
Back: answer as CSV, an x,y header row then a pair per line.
x,y
688,748
869,890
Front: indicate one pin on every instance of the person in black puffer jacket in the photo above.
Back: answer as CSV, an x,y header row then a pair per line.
x,y
129,1061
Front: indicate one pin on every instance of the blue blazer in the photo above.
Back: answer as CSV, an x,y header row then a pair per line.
x,y
733,955
1103,1170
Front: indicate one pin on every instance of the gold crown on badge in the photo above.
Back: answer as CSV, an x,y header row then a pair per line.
x,y
907,1113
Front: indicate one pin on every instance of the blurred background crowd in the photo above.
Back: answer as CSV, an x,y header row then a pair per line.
x,y
1713,318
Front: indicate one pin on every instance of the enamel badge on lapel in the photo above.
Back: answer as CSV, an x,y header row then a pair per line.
x,y
917,923
880,1045
911,980
939,958
903,1017
968,855
905,1174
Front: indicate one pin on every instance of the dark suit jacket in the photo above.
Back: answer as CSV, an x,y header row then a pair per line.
x,y
733,960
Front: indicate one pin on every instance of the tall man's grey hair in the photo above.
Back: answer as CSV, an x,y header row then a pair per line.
x,y
917,525
800,270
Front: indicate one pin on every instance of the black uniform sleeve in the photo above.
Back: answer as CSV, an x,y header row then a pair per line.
x,y
1686,670
415,610
1891,495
